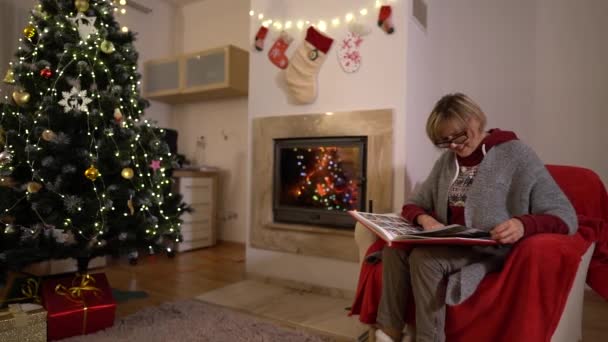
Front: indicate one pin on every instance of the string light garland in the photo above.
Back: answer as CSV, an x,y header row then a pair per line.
x,y
321,23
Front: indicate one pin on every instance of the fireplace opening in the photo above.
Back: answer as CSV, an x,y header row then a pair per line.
x,y
317,180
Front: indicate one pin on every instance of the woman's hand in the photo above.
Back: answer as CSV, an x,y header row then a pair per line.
x,y
508,232
428,222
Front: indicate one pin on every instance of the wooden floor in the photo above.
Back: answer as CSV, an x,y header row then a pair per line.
x,y
186,276
190,274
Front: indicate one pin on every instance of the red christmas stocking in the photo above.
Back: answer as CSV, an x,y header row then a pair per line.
x,y
384,19
259,38
277,52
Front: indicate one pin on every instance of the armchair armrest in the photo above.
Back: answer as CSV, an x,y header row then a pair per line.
x,y
364,238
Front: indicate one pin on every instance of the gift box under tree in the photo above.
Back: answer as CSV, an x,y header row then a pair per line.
x,y
23,323
78,305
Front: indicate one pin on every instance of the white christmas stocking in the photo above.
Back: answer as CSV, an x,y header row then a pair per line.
x,y
301,74
349,53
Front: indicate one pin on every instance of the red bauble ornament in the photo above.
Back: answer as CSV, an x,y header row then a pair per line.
x,y
46,73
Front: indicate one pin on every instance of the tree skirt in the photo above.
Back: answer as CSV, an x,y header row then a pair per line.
x,y
193,320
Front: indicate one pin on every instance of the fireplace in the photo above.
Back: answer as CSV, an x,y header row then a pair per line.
x,y
316,180
368,158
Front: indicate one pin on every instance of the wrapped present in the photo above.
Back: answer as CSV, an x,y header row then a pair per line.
x,y
78,305
23,323
22,290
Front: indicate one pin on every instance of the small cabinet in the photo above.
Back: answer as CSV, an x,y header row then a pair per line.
x,y
199,191
210,74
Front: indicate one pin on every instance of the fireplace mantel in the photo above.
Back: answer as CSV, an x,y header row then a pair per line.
x,y
377,125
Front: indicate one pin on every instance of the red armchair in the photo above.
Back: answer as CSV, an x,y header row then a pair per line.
x,y
538,295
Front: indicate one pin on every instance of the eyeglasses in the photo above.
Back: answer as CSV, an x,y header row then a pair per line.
x,y
457,139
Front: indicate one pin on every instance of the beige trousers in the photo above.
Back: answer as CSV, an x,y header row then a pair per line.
x,y
425,271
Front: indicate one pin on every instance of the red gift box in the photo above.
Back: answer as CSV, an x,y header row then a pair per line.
x,y
78,305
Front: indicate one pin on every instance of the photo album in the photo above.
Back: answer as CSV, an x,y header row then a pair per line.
x,y
393,229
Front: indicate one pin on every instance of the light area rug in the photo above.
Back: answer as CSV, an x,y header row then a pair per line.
x,y
193,320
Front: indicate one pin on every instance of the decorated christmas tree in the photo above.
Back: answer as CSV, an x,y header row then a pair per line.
x,y
81,174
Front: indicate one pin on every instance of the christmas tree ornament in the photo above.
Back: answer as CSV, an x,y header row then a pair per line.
x,y
107,47
117,115
5,157
39,12
2,136
91,173
349,54
21,97
81,5
301,74
384,19
48,135
9,78
29,31
33,187
75,99
155,165
130,206
259,38
85,25
277,52
46,73
127,173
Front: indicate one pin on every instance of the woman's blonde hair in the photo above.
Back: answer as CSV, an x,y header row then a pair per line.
x,y
453,108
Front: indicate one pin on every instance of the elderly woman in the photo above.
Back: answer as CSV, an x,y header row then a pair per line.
x,y
488,180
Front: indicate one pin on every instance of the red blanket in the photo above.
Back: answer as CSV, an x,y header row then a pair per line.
x,y
525,300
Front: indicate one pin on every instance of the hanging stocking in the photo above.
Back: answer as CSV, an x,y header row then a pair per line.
x,y
385,20
259,38
277,52
301,74
349,53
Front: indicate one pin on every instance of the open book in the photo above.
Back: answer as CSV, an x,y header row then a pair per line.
x,y
393,228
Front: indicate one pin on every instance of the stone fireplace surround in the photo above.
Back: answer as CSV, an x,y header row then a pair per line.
x,y
377,125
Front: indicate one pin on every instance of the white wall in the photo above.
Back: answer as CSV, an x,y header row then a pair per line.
x,y
571,83
14,16
223,123
536,67
380,83
483,48
155,39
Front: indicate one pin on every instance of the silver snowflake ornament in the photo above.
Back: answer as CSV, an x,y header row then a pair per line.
x,y
85,25
75,99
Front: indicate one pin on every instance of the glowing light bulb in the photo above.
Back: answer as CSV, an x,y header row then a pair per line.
x,y
335,22
363,12
251,13
300,24
322,25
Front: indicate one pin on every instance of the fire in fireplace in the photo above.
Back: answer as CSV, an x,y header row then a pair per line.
x,y
317,180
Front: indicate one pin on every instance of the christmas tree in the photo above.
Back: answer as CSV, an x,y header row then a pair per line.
x,y
81,175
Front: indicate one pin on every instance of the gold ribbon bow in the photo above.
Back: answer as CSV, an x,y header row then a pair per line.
x,y
80,285
29,290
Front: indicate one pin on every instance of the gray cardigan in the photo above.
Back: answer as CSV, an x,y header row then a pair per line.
x,y
511,181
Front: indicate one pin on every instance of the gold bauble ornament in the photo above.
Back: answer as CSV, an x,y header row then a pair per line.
x,y
91,173
48,135
21,97
127,173
81,5
29,31
33,187
9,78
107,47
